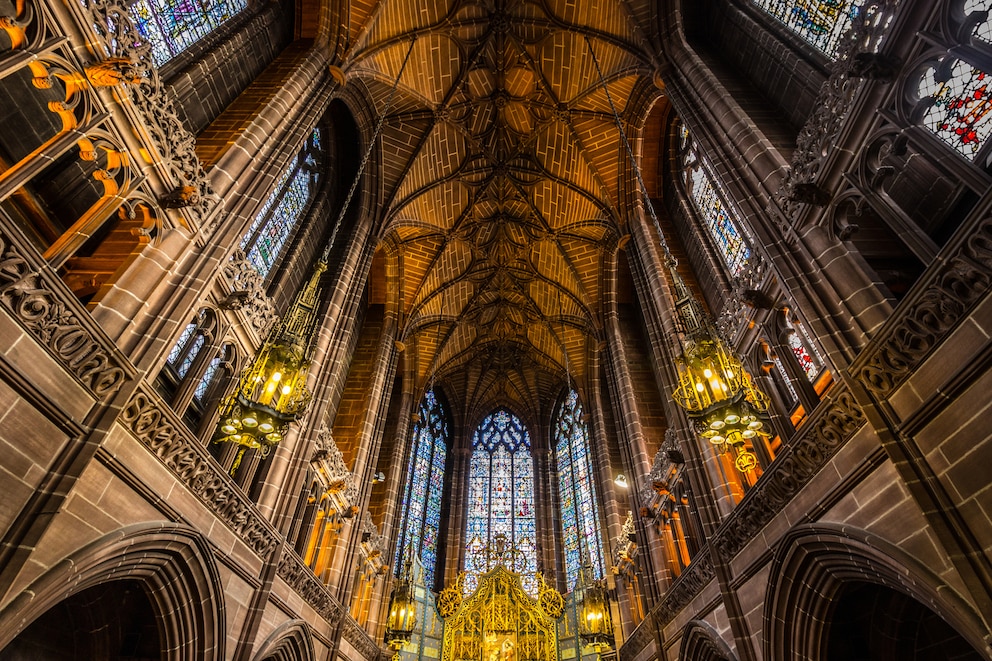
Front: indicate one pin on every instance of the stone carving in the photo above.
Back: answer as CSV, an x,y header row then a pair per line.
x,y
360,640
373,546
43,313
686,587
961,281
247,287
790,471
337,480
299,577
112,72
833,102
157,427
639,640
170,139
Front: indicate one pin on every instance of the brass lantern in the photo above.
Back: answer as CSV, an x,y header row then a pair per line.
x,y
272,391
595,624
402,611
713,386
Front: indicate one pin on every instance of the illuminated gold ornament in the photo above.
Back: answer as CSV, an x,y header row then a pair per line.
x,y
713,386
402,611
272,391
595,624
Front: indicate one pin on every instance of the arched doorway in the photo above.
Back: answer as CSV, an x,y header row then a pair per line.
x,y
873,622
113,621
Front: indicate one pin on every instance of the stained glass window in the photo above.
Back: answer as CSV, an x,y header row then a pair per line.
x,y
420,512
822,23
172,26
983,30
576,494
960,113
785,379
501,501
709,203
282,210
181,344
186,350
810,366
208,376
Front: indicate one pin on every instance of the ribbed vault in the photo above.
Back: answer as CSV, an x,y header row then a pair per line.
x,y
504,181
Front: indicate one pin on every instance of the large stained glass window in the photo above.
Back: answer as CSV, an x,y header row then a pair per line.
x,y
286,205
501,526
172,26
822,23
420,513
577,501
960,110
708,200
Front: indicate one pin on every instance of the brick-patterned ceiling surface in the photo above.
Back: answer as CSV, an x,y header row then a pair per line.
x,y
503,179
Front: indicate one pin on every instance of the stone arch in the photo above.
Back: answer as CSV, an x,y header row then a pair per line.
x,y
701,642
172,563
291,641
814,563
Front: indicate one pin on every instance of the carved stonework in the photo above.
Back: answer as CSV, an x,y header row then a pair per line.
x,y
36,304
692,581
169,137
361,641
299,577
337,480
157,427
961,281
790,472
248,293
818,136
642,637
373,546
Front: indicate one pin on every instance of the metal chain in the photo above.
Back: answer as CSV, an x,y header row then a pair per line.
x,y
669,258
368,150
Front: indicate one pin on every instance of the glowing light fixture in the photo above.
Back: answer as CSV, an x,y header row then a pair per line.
x,y
402,610
595,623
713,387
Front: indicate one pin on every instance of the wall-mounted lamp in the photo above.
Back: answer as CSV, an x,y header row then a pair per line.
x,y
378,477
621,481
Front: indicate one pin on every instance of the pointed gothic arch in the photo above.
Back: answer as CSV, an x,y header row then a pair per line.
x,y
813,566
174,566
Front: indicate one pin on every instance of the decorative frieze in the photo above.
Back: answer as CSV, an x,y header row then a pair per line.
x,y
955,287
642,637
298,576
361,641
836,422
692,581
34,298
158,428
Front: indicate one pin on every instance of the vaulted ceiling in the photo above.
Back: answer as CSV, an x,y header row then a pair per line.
x,y
505,187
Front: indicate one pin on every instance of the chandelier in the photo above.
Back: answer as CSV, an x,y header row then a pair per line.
x,y
713,388
272,391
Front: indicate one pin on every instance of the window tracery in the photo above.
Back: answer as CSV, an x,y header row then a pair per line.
x,y
172,26
420,510
285,206
821,23
577,500
709,202
501,497
959,105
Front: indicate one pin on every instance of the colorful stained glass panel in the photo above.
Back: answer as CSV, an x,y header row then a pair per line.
x,y
172,26
960,113
821,23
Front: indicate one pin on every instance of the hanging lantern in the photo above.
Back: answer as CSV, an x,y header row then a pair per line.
x,y
272,391
713,386
402,611
595,624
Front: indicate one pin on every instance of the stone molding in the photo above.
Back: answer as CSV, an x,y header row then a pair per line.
x,y
641,638
955,287
360,640
44,307
157,427
302,580
692,581
834,422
